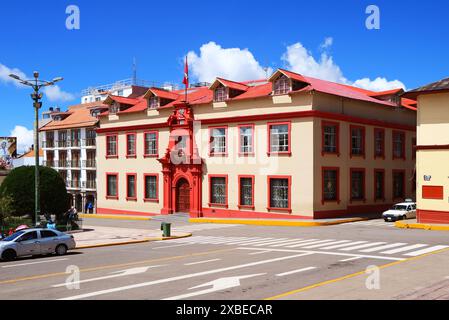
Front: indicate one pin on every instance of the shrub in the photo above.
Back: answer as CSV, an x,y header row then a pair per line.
x,y
19,186
5,209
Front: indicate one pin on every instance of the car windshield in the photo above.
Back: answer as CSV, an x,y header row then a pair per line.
x,y
14,236
400,207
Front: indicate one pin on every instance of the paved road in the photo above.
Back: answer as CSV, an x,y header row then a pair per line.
x,y
218,262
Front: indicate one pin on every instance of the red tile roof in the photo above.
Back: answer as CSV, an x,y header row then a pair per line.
x,y
163,93
263,88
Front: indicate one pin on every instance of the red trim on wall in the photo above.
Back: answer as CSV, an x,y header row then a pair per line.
x,y
116,186
351,155
246,154
269,208
272,153
352,210
145,187
131,155
435,147
323,201
325,123
128,198
218,154
253,179
226,213
375,184
156,155
432,216
210,190
433,192
116,146
124,212
351,171
382,156
402,135
275,116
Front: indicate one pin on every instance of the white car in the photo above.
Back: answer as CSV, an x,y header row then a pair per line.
x,y
400,211
34,242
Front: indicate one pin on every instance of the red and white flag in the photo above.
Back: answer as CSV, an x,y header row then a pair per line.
x,y
186,75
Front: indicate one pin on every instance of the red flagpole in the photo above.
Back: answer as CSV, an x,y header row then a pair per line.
x,y
186,78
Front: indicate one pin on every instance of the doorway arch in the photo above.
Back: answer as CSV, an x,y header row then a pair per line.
x,y
182,198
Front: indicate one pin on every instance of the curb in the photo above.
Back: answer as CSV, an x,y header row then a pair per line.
x,y
276,223
114,217
112,244
422,226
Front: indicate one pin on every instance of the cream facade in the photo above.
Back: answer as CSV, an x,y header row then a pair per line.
x,y
306,151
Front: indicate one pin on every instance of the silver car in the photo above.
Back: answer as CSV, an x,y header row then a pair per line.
x,y
33,242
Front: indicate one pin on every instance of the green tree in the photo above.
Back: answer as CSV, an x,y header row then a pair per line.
x,y
19,186
5,209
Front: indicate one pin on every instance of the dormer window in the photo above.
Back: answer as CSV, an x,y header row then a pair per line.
x,y
57,118
281,85
95,113
114,108
153,102
220,94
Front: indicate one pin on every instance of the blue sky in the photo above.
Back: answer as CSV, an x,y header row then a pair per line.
x,y
411,45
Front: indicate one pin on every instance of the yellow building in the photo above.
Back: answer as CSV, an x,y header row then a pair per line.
x,y
290,146
432,164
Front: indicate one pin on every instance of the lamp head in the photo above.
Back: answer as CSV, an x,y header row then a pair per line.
x,y
36,74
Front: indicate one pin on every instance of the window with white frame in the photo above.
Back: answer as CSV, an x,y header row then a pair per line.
x,y
279,138
357,141
279,193
330,188
282,85
218,140
111,146
398,145
150,143
220,94
153,102
111,188
131,186
330,132
131,144
246,139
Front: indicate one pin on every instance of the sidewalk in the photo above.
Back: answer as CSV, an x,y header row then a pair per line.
x,y
413,224
282,222
98,236
114,216
421,278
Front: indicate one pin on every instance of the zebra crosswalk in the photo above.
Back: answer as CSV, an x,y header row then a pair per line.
x,y
371,223
343,246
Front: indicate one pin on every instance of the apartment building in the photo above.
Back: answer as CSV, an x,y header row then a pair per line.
x,y
69,146
289,146
432,152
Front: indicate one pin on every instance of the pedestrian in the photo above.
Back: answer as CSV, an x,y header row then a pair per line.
x,y
90,207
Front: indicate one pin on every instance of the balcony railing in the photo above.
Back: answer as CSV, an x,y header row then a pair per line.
x,y
90,184
90,142
48,144
91,163
75,164
74,184
49,163
62,144
75,143
61,164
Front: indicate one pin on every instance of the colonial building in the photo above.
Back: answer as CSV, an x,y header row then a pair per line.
x,y
432,152
69,145
290,146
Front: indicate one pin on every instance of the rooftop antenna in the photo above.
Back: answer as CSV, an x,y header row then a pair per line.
x,y
134,71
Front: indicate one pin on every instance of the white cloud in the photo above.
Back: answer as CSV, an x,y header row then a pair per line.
x,y
54,93
379,84
299,60
25,138
328,42
229,63
5,72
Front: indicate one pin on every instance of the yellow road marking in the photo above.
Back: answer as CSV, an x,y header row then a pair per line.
x,y
49,275
320,284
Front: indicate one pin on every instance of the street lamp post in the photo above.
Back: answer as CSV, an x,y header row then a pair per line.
x,y
36,85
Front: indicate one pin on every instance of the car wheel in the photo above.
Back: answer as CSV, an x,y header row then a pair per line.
x,y
404,217
9,255
61,250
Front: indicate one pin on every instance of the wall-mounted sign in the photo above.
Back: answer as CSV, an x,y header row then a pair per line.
x,y
427,178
